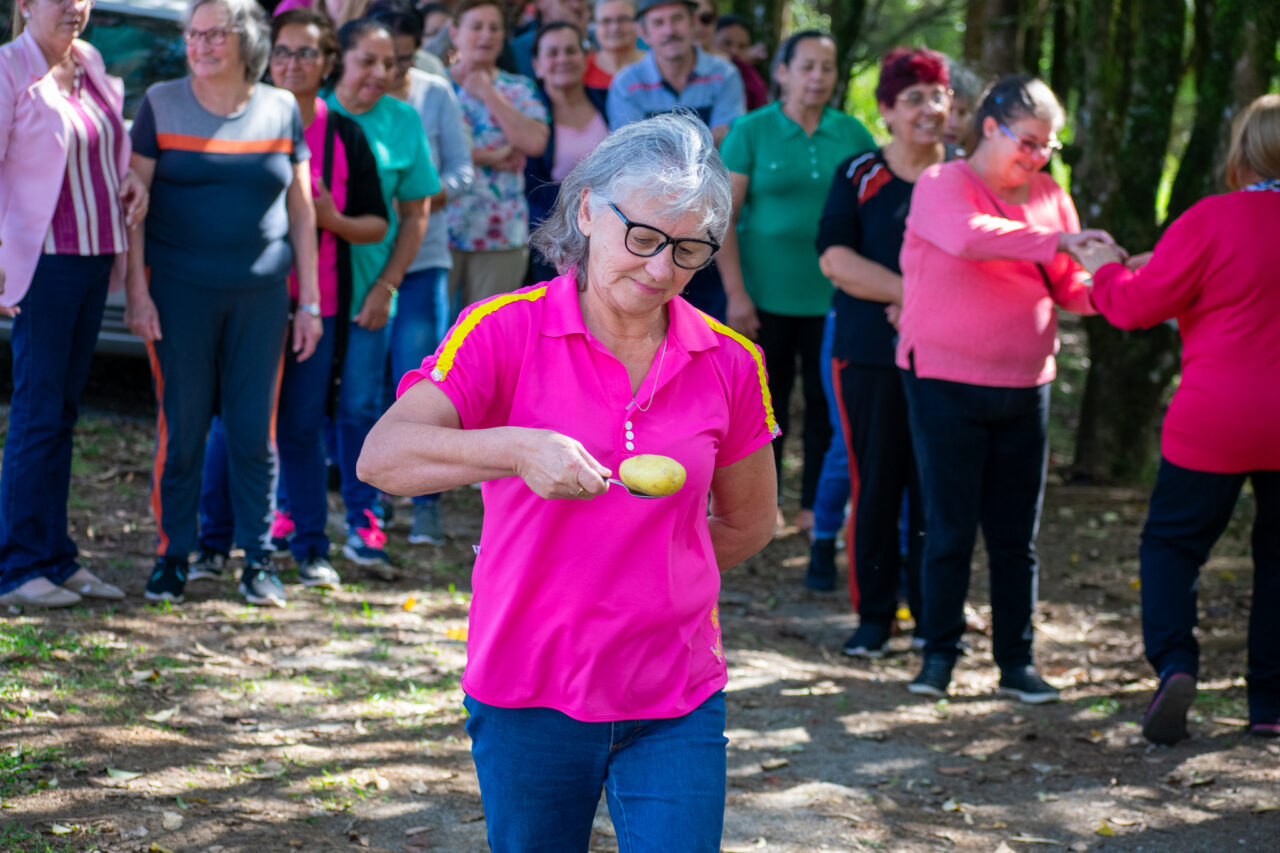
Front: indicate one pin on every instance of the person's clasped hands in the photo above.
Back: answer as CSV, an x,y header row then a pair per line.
x,y
1092,248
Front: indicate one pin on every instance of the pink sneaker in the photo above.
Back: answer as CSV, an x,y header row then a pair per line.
x,y
366,545
282,530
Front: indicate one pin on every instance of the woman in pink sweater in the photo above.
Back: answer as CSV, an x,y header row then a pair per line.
x,y
1215,272
983,269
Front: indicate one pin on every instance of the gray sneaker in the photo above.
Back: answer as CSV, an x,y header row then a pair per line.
x,y
426,528
317,572
260,585
210,565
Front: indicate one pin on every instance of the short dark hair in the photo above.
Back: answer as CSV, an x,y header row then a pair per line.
x,y
1018,96
726,21
788,50
551,28
350,33
466,6
301,15
400,17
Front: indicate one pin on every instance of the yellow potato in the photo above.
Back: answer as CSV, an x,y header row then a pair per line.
x,y
652,474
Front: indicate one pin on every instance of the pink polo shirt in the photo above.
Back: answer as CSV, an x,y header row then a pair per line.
x,y
975,308
602,609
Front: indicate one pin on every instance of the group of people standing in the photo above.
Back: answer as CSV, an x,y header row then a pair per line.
x,y
296,255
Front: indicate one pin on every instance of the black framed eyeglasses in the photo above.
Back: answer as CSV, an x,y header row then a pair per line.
x,y
645,241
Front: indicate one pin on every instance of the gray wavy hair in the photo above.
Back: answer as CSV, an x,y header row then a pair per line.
x,y
246,18
669,157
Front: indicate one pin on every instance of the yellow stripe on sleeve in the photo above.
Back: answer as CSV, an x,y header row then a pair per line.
x,y
459,334
761,376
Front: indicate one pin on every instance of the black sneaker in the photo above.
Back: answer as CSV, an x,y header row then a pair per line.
x,y
868,641
1165,721
259,584
168,580
821,576
210,565
934,677
316,571
1026,685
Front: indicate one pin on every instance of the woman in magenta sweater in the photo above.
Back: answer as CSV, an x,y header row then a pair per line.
x,y
983,267
1215,272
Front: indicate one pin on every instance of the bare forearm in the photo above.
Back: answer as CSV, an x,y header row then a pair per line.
x,y
360,229
860,277
405,458
527,135
735,539
408,240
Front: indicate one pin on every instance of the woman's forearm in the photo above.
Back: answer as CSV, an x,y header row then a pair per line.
x,y
400,457
526,134
367,228
860,277
409,233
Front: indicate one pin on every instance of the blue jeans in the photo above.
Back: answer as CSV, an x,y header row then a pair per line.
x,y
541,773
300,413
1189,512
53,340
359,407
424,312
833,480
981,453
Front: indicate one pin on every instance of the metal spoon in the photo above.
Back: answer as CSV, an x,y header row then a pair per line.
x,y
632,491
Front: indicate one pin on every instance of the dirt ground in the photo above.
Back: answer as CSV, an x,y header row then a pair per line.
x,y
336,724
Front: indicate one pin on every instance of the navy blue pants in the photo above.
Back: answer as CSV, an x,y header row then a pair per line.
x,y
1189,511
220,351
53,341
881,469
300,418
982,454
783,339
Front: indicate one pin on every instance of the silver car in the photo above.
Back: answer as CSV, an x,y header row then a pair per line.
x,y
141,43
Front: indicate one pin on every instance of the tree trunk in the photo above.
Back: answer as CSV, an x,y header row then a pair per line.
x,y
1002,45
1062,77
846,29
1130,371
1257,67
975,31
1034,15
1218,43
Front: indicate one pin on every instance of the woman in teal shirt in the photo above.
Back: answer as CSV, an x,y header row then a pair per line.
x,y
780,159
408,180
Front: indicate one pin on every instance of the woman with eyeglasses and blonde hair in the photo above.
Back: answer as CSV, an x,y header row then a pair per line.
x,y
67,200
984,268
231,214
1214,271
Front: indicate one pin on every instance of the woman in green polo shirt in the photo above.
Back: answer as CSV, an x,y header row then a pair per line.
x,y
781,159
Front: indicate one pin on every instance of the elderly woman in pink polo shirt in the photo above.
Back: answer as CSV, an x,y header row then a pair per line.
x,y
67,199
984,264
594,648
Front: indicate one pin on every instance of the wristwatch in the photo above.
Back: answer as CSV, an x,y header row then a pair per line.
x,y
312,308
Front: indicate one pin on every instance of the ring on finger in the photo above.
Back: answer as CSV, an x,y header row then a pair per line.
x,y
578,493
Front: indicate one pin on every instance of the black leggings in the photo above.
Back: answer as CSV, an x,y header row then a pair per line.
x,y
783,338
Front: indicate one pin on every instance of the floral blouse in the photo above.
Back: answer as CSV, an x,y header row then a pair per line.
x,y
493,214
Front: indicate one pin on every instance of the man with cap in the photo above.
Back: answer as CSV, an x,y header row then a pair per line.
x,y
677,73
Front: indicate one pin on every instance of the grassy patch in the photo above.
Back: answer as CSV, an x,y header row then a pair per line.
x,y
17,765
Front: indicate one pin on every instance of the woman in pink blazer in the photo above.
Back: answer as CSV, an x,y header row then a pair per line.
x,y
67,200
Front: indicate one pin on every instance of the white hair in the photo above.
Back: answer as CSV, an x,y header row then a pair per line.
x,y
246,18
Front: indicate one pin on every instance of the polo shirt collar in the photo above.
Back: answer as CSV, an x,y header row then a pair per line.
x,y
788,126
562,317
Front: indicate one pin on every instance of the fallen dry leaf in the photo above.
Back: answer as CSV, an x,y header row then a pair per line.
x,y
457,634
408,603
122,774
1104,829
171,820
774,763
414,830
162,716
62,829
953,771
